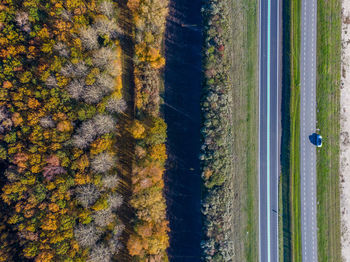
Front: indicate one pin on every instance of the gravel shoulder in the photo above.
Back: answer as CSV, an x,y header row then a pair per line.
x,y
345,133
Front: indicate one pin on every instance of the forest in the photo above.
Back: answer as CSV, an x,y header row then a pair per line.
x,y
83,137
82,153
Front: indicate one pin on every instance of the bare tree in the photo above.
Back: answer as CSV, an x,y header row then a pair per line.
x,y
109,181
103,56
114,243
88,36
103,217
22,19
104,123
61,48
80,69
88,130
51,81
105,26
115,105
47,122
92,94
76,88
138,39
87,235
80,142
100,253
118,230
114,69
3,114
85,134
68,70
103,162
105,82
66,15
115,201
106,8
87,194
26,28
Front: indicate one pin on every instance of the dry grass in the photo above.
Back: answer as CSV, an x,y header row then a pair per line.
x,y
245,128
328,99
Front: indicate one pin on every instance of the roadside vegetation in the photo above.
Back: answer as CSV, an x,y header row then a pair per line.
x,y
76,152
328,99
290,237
216,163
229,131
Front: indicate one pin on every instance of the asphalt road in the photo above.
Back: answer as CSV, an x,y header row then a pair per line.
x,y
308,127
269,127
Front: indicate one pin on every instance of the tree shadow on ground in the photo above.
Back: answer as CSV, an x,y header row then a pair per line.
x,y
183,44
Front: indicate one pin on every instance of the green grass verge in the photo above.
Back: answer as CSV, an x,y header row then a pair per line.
x,y
245,128
328,92
280,224
251,251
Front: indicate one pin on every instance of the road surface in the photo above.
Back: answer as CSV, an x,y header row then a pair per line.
x,y
269,128
308,127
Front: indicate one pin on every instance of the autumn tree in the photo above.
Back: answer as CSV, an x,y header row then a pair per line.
x,y
149,240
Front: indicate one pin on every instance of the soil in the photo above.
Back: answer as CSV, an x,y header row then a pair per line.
x,y
183,44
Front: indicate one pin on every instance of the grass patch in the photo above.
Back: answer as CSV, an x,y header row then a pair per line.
x,y
290,156
328,92
245,128
251,251
295,131
280,223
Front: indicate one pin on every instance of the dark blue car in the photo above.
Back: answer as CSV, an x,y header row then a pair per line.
x,y
318,140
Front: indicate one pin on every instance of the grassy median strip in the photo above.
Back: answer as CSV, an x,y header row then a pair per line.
x,y
295,175
328,92
295,129
290,181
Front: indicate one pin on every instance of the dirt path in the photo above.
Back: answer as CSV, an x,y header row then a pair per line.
x,y
183,45
345,133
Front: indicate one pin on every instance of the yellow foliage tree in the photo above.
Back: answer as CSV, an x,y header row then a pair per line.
x,y
50,223
100,145
33,103
137,130
44,257
158,153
